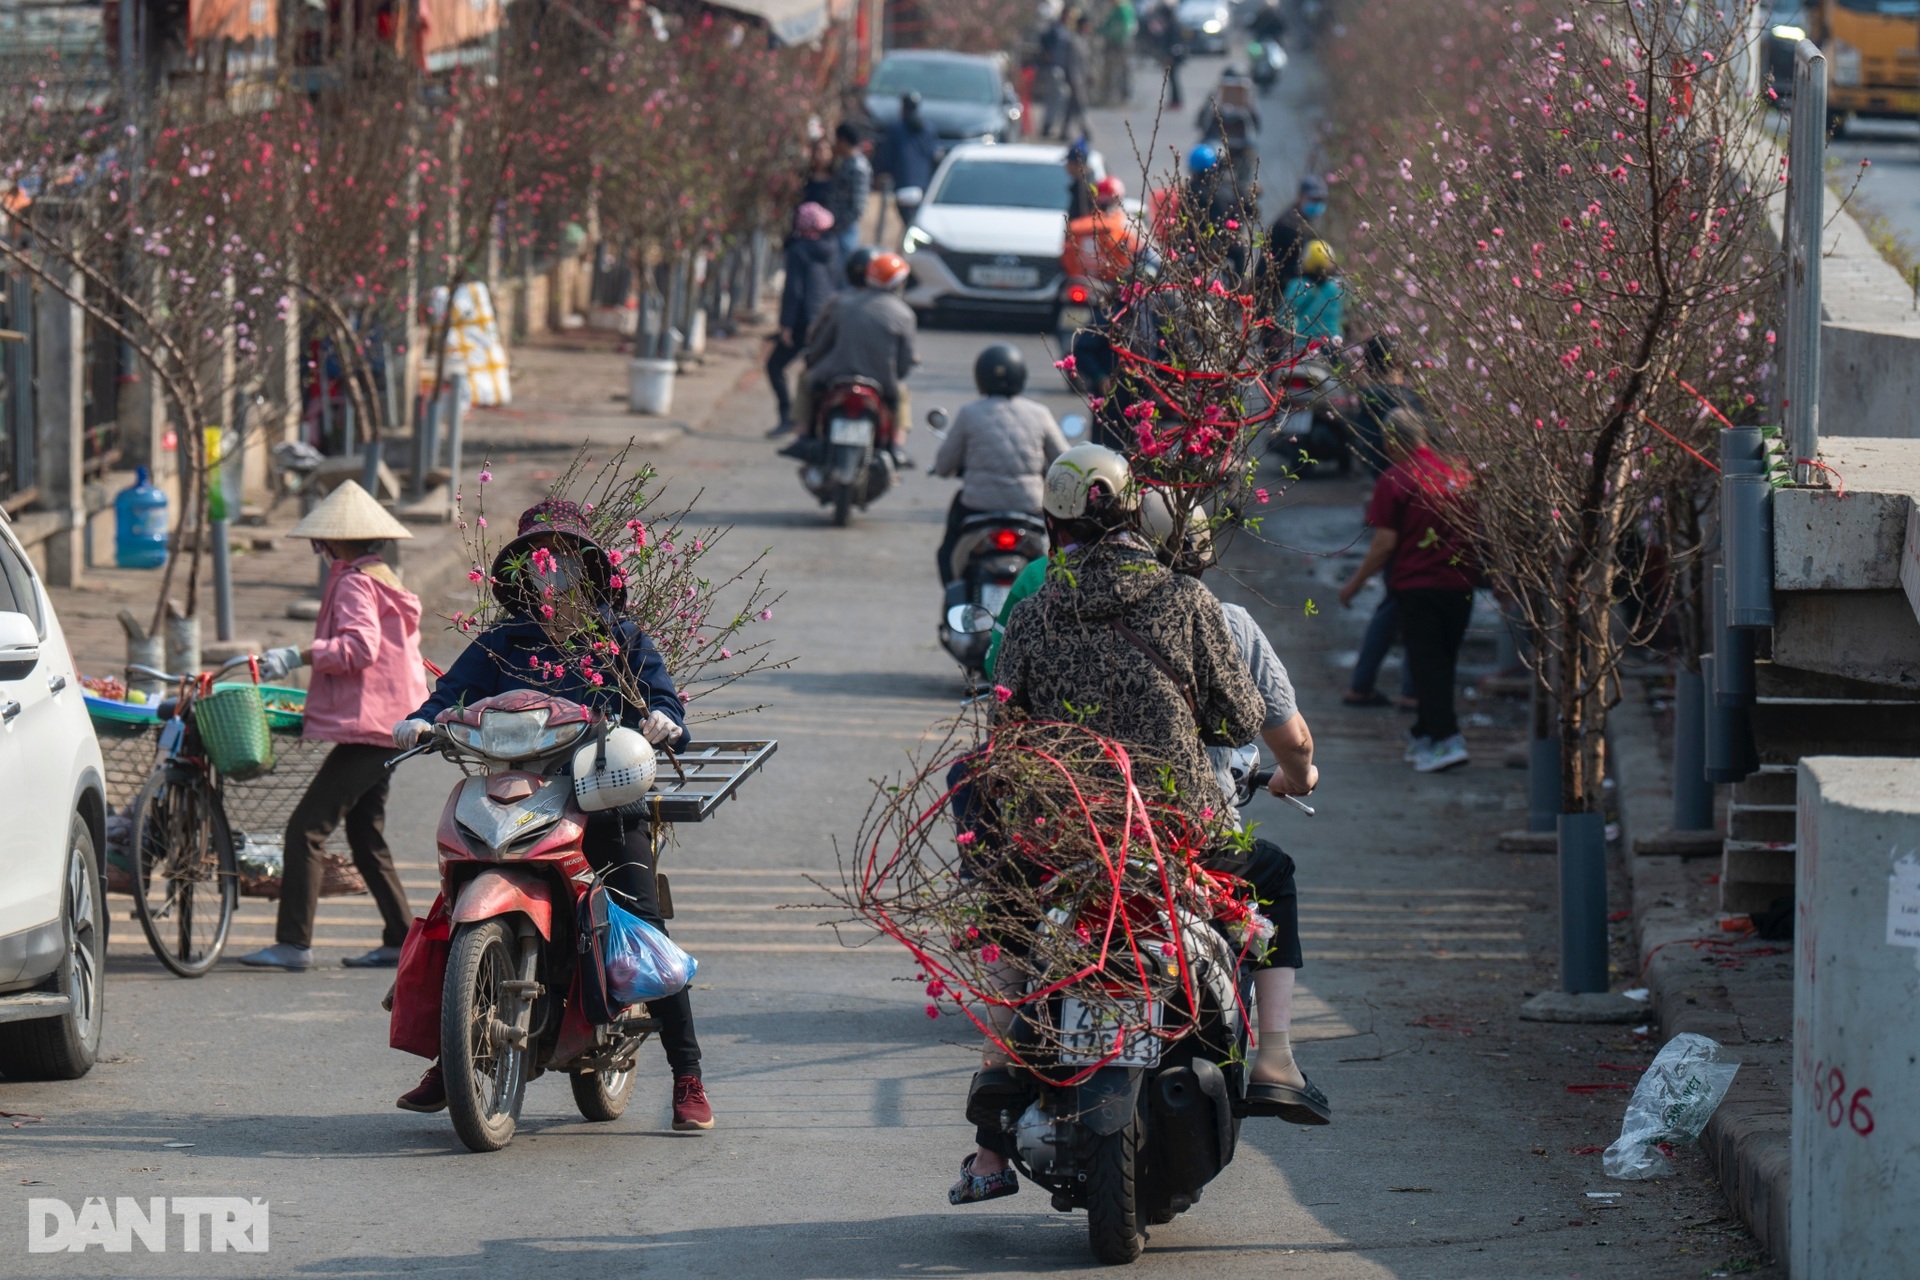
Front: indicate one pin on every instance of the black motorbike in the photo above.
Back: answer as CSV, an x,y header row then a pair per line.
x,y
993,548
1136,1142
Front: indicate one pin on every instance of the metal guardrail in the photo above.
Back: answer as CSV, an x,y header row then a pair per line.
x,y
1806,211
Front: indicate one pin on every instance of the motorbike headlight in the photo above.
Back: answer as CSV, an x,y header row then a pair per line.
x,y
1211,26
916,240
513,735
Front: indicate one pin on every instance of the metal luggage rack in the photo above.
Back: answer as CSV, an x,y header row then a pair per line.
x,y
707,775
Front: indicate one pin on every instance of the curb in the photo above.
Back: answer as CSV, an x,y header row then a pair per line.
x,y
1749,1139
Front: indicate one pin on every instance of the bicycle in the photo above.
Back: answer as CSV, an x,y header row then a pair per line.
x,y
185,872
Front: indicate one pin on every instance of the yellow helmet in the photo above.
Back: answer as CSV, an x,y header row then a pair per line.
x,y
1316,259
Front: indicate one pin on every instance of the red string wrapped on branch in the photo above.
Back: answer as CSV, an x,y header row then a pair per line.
x,y
1043,866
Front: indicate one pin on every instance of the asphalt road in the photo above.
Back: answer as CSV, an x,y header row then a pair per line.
x,y
838,1101
1890,186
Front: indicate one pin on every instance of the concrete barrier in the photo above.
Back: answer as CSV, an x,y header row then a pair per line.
x,y
1856,1037
1870,380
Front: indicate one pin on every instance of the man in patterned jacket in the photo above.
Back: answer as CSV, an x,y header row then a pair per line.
x,y
1119,643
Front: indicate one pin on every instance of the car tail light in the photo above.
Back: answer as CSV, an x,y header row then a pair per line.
x,y
1077,295
1005,539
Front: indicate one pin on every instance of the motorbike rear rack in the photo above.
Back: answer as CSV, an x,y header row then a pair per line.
x,y
712,771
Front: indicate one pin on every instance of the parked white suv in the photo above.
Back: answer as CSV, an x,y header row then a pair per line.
x,y
53,917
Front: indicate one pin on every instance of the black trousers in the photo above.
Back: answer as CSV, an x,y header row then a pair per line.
x,y
351,785
1432,625
779,358
1269,869
621,849
956,516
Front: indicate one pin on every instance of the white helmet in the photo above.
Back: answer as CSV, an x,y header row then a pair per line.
x,y
621,777
1156,522
1089,480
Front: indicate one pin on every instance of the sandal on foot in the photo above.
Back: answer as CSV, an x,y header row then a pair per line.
x,y
975,1187
1305,1105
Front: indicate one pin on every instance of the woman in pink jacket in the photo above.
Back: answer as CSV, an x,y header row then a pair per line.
x,y
367,675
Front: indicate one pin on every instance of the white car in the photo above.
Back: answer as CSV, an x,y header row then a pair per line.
x,y
53,918
986,240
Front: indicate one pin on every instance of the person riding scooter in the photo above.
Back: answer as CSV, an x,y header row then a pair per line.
x,y
559,589
1077,651
866,333
1001,446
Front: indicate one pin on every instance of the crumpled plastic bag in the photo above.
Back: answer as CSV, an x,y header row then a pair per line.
x,y
1672,1104
642,962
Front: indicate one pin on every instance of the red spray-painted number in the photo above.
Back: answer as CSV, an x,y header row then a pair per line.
x,y
1831,1102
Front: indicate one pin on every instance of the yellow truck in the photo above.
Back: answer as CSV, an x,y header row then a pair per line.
x,y
1873,54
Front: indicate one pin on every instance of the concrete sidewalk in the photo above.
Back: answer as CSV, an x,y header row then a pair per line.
x,y
570,390
1727,985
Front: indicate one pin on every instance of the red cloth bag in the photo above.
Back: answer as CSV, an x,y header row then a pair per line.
x,y
415,1026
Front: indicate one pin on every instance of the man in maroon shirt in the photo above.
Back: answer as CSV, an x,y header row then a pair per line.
x,y
1419,515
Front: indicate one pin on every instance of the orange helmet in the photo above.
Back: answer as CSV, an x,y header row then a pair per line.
x,y
886,270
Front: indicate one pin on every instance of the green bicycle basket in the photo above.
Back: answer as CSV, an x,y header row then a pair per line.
x,y
233,724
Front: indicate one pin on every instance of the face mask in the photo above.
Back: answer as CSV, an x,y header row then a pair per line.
x,y
1313,210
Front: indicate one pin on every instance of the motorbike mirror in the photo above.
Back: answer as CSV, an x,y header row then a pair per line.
x,y
937,419
1073,426
969,620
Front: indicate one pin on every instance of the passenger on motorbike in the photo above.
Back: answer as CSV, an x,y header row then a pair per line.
x,y
563,635
1277,1083
866,333
1317,300
1001,446
1089,647
1102,245
1292,231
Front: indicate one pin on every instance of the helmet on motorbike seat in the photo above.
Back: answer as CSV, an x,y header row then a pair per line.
x,y
1000,370
622,777
886,271
1202,158
857,265
1108,192
1090,482
1195,553
1316,259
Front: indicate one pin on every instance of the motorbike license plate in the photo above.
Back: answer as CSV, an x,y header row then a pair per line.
x,y
850,431
993,277
993,596
1072,318
1086,1035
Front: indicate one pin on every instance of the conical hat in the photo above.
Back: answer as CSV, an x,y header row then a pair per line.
x,y
349,514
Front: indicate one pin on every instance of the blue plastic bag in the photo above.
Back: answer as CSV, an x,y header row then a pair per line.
x,y
642,962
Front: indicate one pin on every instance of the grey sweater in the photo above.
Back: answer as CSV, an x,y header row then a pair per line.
x,y
868,332
1002,447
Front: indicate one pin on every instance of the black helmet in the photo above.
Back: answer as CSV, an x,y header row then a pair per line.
x,y
857,265
1000,370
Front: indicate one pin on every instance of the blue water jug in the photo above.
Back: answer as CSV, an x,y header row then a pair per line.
x,y
140,525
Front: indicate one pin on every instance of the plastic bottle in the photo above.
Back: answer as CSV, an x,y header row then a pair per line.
x,y
140,525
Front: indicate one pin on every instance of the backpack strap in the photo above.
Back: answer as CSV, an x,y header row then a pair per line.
x,y
1159,660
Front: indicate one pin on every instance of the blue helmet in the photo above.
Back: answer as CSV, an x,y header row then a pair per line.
x,y
1202,158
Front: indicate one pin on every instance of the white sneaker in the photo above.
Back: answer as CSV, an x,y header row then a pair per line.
x,y
1416,747
1445,754
280,956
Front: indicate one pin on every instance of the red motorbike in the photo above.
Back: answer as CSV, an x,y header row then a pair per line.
x,y
856,436
505,978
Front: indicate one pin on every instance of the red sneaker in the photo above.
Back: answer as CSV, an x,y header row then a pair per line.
x,y
427,1097
691,1110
